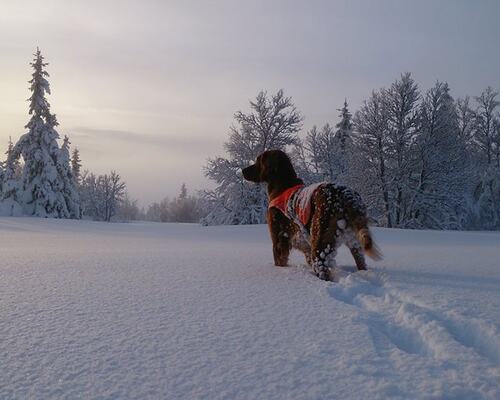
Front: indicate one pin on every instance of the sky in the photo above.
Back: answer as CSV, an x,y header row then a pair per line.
x,y
149,88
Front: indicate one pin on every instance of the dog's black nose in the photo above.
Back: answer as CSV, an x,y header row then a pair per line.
x,y
250,173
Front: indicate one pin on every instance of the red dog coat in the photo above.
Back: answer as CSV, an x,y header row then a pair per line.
x,y
295,202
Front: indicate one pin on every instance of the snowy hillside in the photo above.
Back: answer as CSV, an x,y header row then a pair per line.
x,y
147,311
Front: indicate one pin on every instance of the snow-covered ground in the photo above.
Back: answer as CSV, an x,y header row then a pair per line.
x,y
171,311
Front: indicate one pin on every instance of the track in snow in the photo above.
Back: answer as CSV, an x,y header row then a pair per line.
x,y
396,321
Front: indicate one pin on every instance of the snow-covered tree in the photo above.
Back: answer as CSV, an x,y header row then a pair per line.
x,y
344,137
323,154
12,164
439,180
76,165
101,195
369,168
418,161
306,155
89,195
69,188
272,123
402,107
329,160
128,209
381,160
153,212
10,186
159,212
496,141
485,123
41,183
234,201
466,119
486,137
410,161
112,191
184,208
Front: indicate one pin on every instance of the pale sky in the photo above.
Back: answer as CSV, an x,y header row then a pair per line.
x,y
149,88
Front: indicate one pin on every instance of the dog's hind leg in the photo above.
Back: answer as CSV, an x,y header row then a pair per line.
x,y
323,247
350,240
359,257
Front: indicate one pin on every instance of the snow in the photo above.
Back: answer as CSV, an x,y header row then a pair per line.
x,y
143,310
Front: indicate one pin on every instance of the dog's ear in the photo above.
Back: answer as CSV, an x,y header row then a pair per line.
x,y
265,164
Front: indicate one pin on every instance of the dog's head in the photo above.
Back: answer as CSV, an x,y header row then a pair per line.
x,y
270,166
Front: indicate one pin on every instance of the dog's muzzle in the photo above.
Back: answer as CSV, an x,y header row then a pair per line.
x,y
251,173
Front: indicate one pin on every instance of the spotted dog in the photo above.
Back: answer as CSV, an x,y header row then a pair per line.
x,y
314,219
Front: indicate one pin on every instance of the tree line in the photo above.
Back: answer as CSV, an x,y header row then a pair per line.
x,y
420,160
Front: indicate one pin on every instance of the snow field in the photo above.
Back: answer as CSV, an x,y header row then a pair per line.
x,y
144,310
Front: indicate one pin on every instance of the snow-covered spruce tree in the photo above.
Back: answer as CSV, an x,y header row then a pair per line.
x,y
273,123
69,189
12,164
76,165
334,147
11,193
323,154
42,184
440,177
344,138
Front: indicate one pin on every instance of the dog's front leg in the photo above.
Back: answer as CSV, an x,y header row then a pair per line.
x,y
281,250
279,228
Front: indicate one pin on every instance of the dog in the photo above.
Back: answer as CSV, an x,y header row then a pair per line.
x,y
314,219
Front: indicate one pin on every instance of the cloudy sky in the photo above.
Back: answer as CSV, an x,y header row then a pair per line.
x,y
149,88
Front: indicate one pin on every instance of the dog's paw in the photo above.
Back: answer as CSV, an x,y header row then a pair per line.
x,y
325,274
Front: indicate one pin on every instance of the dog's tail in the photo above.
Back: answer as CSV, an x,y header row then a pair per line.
x,y
367,243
